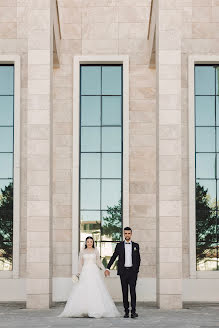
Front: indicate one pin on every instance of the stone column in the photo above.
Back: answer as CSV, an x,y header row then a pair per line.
x,y
169,154
39,154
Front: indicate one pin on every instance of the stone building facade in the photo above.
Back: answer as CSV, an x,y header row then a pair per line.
x,y
158,44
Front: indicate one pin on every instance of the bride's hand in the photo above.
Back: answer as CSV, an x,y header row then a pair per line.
x,y
107,273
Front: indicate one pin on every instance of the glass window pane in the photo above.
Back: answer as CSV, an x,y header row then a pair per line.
x,y
112,224
6,166
205,139
107,249
90,194
204,80
6,80
81,245
88,216
111,110
98,246
217,139
218,166
217,80
217,111
207,256
111,165
205,194
90,165
205,166
207,83
90,229
6,139
6,228
90,225
111,193
90,139
6,110
111,139
90,80
101,158
205,110
6,256
206,223
218,203
111,80
6,184
6,224
90,110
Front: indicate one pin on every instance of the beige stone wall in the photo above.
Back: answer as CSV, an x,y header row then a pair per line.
x,y
169,155
112,27
13,40
39,154
201,22
91,27
22,11
94,27
109,27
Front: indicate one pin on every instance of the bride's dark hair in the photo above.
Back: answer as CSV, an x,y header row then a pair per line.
x,y
89,237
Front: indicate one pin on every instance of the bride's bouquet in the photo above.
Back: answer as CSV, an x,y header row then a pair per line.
x,y
75,278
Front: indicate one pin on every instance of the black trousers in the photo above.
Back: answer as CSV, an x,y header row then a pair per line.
x,y
128,280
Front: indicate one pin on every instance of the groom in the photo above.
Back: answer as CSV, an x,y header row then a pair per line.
x,y
128,267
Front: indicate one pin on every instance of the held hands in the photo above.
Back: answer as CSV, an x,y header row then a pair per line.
x,y
107,273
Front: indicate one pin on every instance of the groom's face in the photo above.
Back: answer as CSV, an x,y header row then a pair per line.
x,y
127,234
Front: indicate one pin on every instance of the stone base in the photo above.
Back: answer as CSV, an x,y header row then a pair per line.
x,y
169,302
42,301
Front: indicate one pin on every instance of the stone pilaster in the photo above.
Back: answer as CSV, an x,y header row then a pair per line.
x,y
39,154
169,210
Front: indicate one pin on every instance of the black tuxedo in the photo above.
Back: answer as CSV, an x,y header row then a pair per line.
x,y
120,251
128,276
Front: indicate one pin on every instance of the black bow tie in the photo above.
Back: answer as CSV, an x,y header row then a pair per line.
x,y
128,243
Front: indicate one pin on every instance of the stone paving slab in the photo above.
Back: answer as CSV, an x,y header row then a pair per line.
x,y
201,316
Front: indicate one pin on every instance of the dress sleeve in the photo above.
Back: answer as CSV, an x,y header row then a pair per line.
x,y
80,262
98,260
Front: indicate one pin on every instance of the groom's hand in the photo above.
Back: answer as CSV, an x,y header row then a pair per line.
x,y
107,273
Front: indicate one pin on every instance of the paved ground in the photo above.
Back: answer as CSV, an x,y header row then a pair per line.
x,y
192,316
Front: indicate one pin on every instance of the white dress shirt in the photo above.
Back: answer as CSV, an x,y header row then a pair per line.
x,y
128,254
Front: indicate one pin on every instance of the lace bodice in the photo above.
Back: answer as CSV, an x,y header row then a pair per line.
x,y
88,256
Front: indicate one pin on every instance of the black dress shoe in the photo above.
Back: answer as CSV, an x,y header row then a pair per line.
x,y
134,315
126,315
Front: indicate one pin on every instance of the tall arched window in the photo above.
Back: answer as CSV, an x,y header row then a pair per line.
x,y
207,166
6,165
101,150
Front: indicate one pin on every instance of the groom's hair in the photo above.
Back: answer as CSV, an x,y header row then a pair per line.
x,y
127,228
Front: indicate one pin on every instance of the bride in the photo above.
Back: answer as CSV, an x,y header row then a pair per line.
x,y
89,296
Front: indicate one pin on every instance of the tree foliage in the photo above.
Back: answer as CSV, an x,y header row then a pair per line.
x,y
205,224
6,221
112,223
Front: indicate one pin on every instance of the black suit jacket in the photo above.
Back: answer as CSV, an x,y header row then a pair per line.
x,y
120,252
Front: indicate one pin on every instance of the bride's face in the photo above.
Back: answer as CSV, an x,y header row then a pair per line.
x,y
89,243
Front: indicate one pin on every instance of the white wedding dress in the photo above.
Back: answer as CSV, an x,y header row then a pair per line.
x,y
89,296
